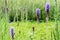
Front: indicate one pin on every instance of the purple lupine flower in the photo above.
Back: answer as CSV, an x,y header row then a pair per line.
x,y
12,32
37,14
37,11
47,6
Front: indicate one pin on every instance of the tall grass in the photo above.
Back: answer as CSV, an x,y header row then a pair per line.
x,y
3,22
25,10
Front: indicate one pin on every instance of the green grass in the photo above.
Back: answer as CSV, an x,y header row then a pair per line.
x,y
23,30
42,32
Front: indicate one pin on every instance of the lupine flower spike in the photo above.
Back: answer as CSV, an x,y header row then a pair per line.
x,y
47,8
37,14
12,32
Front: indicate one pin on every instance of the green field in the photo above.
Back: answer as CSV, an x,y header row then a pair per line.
x,y
23,31
22,16
41,31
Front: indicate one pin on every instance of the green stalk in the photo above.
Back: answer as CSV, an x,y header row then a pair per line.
x,y
26,15
31,37
51,36
54,36
6,7
6,17
56,24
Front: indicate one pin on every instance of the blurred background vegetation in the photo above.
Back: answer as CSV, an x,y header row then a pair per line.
x,y
26,9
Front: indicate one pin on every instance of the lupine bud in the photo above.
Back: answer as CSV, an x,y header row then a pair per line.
x,y
47,7
12,32
33,29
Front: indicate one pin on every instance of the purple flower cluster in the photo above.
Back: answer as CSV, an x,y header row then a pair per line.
x,y
37,11
12,32
37,14
47,6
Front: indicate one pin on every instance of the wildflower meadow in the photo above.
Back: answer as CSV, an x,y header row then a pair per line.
x,y
29,19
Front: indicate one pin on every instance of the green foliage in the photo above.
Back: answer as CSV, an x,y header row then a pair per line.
x,y
17,7
26,10
23,31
